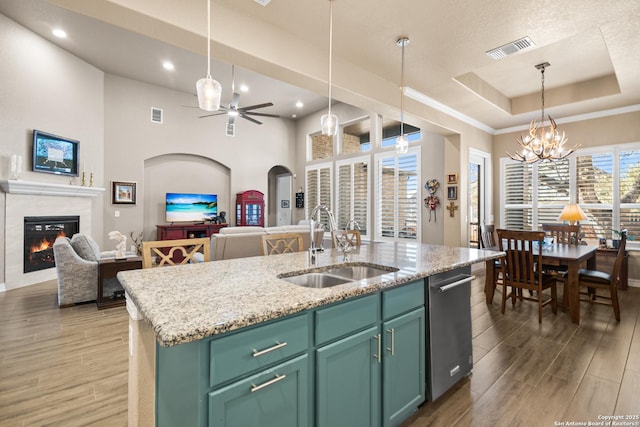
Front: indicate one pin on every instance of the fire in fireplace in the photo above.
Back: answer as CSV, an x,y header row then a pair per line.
x,y
40,232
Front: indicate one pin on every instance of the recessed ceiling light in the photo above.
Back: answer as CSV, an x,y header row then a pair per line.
x,y
293,116
60,33
299,104
168,65
244,88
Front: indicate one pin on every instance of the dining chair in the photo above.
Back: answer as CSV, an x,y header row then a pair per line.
x,y
488,240
161,252
562,234
352,236
520,269
595,279
282,243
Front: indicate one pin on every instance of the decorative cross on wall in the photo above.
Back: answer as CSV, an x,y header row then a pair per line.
x,y
452,208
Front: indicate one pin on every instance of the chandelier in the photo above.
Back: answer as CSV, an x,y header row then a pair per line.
x,y
542,144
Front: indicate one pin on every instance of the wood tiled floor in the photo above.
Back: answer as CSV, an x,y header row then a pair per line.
x,y
68,367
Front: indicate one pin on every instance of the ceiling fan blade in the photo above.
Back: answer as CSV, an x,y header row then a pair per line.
x,y
244,116
231,119
234,101
253,113
190,106
254,107
211,115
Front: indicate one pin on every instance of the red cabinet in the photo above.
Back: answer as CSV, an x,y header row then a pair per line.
x,y
250,208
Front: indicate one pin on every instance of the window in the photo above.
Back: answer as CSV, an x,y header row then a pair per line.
x,y
356,137
391,130
353,193
319,185
604,181
321,147
397,193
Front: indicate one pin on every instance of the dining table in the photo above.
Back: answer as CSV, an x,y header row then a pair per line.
x,y
571,256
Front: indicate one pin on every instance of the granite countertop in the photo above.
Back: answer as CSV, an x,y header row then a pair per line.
x,y
190,302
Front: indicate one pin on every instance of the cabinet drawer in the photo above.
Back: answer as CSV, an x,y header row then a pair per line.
x,y
403,299
257,348
278,397
344,318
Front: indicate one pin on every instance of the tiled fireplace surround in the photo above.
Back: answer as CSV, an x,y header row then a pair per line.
x,y
24,198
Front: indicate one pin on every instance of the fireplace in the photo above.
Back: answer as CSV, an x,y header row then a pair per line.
x,y
40,232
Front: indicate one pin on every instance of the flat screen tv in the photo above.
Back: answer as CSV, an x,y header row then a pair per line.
x,y
186,207
54,154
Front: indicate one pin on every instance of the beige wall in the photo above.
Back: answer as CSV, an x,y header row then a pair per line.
x,y
44,87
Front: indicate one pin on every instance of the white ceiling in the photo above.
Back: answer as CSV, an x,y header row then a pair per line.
x,y
592,47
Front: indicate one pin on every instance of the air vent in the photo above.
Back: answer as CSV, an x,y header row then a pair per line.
x,y
231,129
156,115
262,2
511,48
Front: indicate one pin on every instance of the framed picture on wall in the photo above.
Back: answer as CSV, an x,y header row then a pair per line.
x,y
452,178
123,193
452,192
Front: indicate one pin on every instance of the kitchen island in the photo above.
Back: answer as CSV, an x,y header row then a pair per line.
x,y
187,322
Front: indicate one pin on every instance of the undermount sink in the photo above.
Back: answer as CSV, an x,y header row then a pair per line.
x,y
316,280
338,275
359,272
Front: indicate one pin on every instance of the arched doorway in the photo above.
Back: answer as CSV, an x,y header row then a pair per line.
x,y
279,196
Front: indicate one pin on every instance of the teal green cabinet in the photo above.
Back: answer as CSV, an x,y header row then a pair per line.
x,y
348,381
403,366
277,397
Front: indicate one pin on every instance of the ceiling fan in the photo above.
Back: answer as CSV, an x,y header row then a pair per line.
x,y
233,111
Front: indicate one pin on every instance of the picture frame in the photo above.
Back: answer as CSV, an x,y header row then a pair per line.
x,y
123,193
452,192
284,204
452,178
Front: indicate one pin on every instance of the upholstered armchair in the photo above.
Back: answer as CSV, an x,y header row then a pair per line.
x,y
77,276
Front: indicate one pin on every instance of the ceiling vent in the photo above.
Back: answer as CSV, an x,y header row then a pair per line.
x,y
231,129
511,48
262,2
156,115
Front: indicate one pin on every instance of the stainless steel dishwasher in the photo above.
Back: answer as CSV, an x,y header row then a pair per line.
x,y
450,353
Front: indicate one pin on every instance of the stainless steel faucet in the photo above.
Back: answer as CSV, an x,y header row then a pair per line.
x,y
313,249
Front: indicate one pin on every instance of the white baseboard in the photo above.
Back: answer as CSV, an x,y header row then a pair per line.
x,y
634,283
3,288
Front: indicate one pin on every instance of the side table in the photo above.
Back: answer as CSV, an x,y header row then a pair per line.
x,y
606,257
110,291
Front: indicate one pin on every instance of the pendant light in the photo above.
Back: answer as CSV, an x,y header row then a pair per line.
x,y
545,145
402,144
209,90
329,122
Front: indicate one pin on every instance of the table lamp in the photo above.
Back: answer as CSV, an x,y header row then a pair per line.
x,y
572,213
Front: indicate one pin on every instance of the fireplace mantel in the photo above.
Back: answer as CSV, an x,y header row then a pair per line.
x,y
15,186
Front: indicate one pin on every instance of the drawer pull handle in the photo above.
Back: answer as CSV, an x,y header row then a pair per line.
x,y
379,355
268,383
392,331
278,345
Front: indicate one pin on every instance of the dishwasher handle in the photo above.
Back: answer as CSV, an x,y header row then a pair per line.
x,y
457,283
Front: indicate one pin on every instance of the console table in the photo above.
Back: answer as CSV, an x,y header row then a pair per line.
x,y
187,231
110,291
606,257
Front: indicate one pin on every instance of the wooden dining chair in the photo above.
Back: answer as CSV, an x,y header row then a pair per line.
x,y
520,269
593,280
563,234
161,252
282,243
488,240
352,236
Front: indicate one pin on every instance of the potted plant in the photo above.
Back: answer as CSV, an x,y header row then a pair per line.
x,y
617,236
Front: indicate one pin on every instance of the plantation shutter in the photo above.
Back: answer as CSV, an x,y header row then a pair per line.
x,y
353,193
518,196
553,190
397,195
595,194
630,192
318,189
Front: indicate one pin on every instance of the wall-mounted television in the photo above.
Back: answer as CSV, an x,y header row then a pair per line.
x,y
187,207
54,154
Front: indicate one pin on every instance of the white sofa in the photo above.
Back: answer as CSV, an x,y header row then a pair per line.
x,y
240,242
